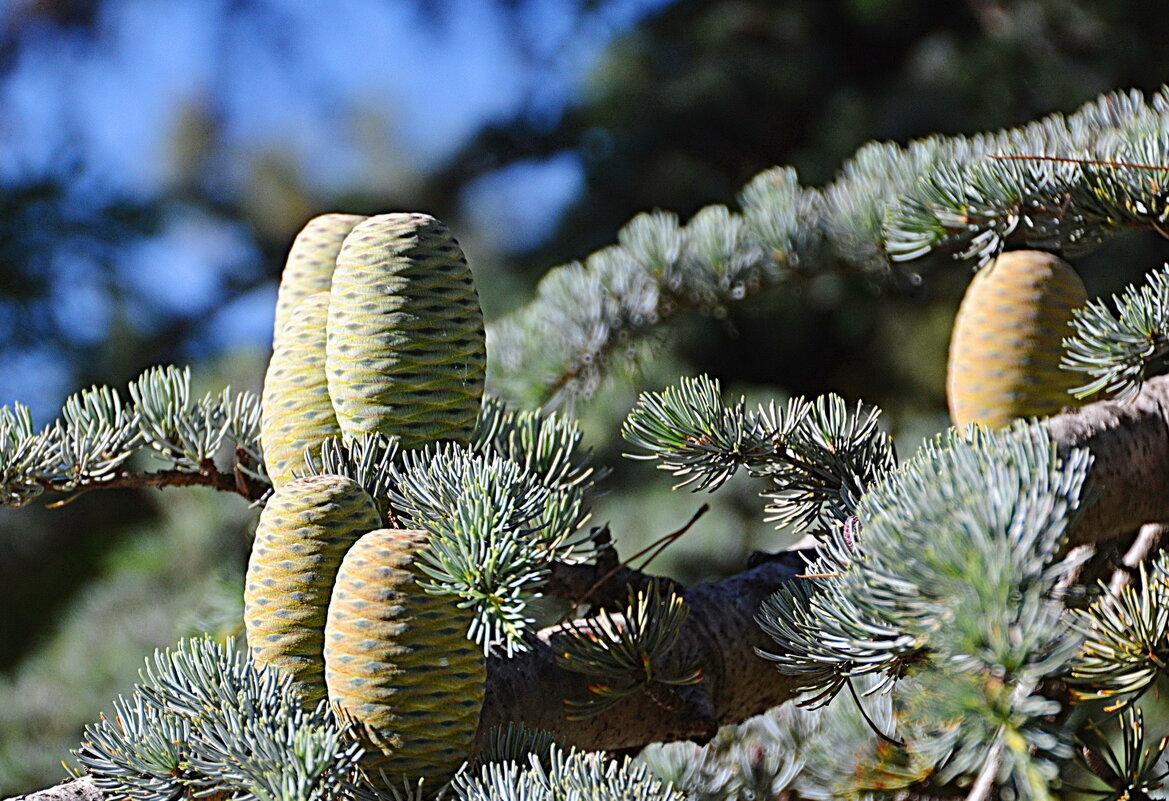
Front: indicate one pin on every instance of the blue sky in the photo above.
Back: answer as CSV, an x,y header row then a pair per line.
x,y
356,93
288,72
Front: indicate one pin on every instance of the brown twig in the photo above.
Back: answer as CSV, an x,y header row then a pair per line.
x,y
1094,162
208,475
653,549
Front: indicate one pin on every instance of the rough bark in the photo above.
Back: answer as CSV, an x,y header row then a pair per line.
x,y
1128,487
81,789
719,638
1129,482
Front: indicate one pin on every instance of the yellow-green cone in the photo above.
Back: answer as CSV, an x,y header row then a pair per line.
x,y
304,531
398,661
406,351
1007,341
296,412
309,268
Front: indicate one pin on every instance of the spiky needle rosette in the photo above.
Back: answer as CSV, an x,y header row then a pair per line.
x,y
398,662
297,413
305,529
1007,343
406,352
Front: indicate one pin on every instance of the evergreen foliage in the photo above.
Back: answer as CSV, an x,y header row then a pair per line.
x,y
819,457
1126,640
1136,772
1119,350
366,459
936,597
515,742
1064,184
568,774
99,433
205,720
825,753
624,655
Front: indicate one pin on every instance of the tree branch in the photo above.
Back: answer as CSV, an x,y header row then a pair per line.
x,y
1129,482
1127,488
81,789
1145,545
208,475
719,637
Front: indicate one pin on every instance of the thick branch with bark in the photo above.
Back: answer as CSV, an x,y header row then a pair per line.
x,y
719,638
82,789
1129,482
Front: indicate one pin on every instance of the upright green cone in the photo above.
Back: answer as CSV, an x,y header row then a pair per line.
x,y
296,412
309,268
305,529
398,661
406,350
388,340
1008,340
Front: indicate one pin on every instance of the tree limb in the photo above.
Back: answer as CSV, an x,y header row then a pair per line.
x,y
719,637
1128,486
82,789
209,474
1129,481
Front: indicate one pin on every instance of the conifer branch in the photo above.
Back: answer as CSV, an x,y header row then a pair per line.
x,y
208,475
936,580
819,456
1128,485
1119,350
95,442
1062,183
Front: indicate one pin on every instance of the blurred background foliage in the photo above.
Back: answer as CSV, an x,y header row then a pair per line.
x,y
158,159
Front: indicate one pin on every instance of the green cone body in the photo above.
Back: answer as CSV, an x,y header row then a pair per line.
x,y
305,529
399,662
296,412
1007,341
309,268
406,349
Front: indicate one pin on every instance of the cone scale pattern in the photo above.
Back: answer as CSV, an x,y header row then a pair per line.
x,y
406,352
387,340
309,268
296,412
304,531
398,661
1007,341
